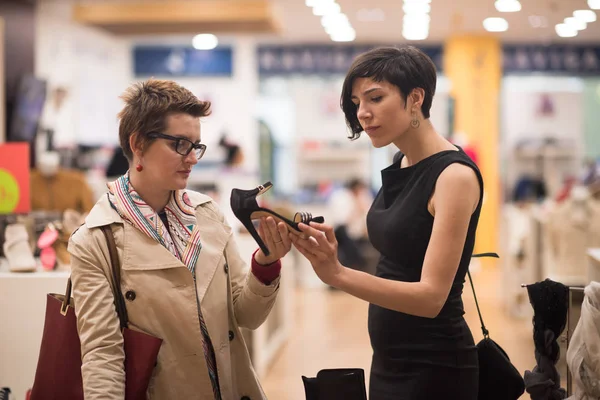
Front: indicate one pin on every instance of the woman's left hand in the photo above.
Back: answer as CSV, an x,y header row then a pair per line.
x,y
320,248
276,238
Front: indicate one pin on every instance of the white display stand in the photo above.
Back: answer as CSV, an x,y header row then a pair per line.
x,y
22,314
520,258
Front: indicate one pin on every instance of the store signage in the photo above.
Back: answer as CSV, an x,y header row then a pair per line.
x,y
332,59
575,59
182,61
319,59
14,178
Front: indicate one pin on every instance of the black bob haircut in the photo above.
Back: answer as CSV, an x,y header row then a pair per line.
x,y
405,67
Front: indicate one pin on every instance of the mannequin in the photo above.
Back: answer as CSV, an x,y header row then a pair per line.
x,y
57,189
48,163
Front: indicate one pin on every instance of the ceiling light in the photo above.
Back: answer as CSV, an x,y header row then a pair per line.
x,y
494,24
585,15
346,35
575,23
334,20
416,8
337,28
326,9
416,19
594,4
205,41
415,33
508,5
416,1
564,30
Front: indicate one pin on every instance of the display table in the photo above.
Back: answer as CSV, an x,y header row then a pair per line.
x,y
22,313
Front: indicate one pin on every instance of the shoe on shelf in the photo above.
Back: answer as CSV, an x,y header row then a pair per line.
x,y
245,208
17,250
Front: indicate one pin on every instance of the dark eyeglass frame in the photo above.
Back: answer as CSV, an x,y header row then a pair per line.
x,y
199,147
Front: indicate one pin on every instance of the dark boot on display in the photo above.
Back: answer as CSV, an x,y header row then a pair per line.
x,y
336,384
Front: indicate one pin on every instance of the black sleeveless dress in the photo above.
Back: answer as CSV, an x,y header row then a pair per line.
x,y
414,357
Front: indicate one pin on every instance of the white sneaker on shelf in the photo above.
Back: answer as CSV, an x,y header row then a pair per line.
x,y
17,250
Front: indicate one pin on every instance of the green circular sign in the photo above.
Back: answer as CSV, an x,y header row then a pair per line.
x,y
9,192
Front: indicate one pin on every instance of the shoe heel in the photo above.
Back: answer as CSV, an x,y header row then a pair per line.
x,y
252,229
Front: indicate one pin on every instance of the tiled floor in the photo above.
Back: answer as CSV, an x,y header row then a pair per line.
x,y
331,332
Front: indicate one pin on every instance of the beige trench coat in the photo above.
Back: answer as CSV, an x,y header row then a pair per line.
x,y
161,300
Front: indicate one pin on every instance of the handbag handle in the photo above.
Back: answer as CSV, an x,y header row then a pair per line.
x,y
486,333
115,267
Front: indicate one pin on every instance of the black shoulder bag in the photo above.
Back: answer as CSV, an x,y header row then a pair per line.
x,y
498,377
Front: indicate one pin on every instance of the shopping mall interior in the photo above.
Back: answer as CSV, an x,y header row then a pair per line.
x,y
518,89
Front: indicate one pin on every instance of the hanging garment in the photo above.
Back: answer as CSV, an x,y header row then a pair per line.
x,y
550,301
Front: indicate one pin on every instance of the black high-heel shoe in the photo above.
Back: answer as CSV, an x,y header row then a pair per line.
x,y
245,208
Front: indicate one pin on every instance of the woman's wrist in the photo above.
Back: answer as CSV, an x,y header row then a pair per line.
x,y
340,278
265,273
262,260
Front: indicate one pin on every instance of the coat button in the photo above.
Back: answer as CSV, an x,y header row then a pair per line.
x,y
226,267
130,295
231,336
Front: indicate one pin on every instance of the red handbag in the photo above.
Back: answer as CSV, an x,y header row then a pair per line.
x,y
58,372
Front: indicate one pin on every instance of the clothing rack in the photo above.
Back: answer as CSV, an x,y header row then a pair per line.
x,y
573,288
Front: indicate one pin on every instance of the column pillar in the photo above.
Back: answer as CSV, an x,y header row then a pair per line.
x,y
474,66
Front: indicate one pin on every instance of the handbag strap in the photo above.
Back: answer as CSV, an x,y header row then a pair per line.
x,y
115,267
486,333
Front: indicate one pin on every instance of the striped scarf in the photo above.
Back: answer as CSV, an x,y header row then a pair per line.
x,y
181,238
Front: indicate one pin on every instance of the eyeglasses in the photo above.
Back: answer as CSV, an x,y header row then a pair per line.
x,y
182,146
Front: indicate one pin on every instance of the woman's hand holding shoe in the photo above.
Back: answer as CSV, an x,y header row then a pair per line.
x,y
276,238
320,248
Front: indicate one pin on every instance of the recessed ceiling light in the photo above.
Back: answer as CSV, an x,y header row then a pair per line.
x,y
566,31
332,21
346,35
495,24
417,1
416,8
594,4
205,41
575,23
585,15
415,33
508,5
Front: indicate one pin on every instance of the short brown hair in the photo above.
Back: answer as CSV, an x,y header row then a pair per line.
x,y
406,68
147,105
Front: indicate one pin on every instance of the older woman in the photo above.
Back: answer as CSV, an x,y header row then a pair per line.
x,y
183,278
